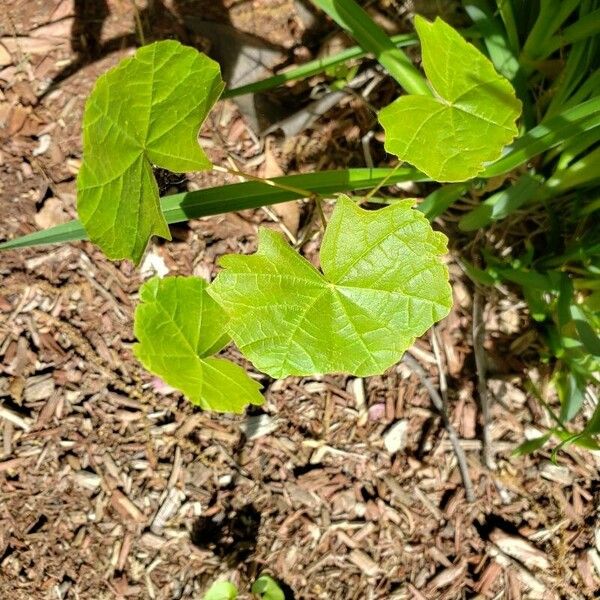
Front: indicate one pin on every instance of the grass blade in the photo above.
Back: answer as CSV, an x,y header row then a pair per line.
x,y
569,123
441,199
501,204
507,14
234,197
584,27
351,17
314,67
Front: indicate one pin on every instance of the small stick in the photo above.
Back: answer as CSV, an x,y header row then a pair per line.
x,y
452,435
478,340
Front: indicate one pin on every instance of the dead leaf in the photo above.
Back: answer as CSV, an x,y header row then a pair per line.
x,y
17,118
520,549
5,56
288,212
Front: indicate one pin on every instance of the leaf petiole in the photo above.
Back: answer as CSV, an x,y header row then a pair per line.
x,y
282,186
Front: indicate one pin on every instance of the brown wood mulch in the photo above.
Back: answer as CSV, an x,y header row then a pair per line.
x,y
112,486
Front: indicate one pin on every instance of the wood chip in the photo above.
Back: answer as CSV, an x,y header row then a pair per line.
x,y
167,509
87,480
520,549
446,577
126,508
395,437
257,426
14,418
364,562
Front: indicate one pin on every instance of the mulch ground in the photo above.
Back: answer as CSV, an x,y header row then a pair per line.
x,y
113,486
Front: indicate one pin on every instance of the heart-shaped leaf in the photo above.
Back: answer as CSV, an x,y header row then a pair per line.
x,y
382,285
144,112
452,135
179,328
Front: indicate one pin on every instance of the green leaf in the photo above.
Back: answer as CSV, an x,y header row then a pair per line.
x,y
382,285
179,327
267,588
502,203
571,391
237,196
532,445
221,590
452,135
144,112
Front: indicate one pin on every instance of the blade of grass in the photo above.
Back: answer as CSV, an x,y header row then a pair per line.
x,y
550,17
501,204
494,37
574,83
569,123
583,172
507,14
583,28
357,22
237,196
441,199
314,67
577,146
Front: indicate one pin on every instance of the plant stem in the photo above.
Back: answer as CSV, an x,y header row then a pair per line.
x,y
383,182
437,401
282,186
319,205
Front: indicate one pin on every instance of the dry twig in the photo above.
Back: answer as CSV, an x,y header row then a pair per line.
x,y
480,365
452,435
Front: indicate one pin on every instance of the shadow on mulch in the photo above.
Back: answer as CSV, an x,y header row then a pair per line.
x,y
231,536
155,22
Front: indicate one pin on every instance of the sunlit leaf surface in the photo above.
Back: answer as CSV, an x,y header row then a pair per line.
x,y
382,284
179,328
144,112
452,135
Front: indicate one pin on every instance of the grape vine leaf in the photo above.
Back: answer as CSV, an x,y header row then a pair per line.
x,y
221,590
146,111
382,284
452,135
179,328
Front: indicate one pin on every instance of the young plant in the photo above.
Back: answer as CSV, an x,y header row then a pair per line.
x,y
265,588
381,283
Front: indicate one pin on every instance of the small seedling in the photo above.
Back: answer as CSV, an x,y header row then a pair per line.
x,y
381,281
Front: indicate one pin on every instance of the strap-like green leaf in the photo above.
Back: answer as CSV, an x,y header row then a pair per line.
x,y
179,327
382,285
357,22
451,136
146,111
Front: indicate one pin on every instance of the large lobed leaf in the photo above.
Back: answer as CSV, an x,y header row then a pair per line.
x,y
382,285
145,112
179,328
452,135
